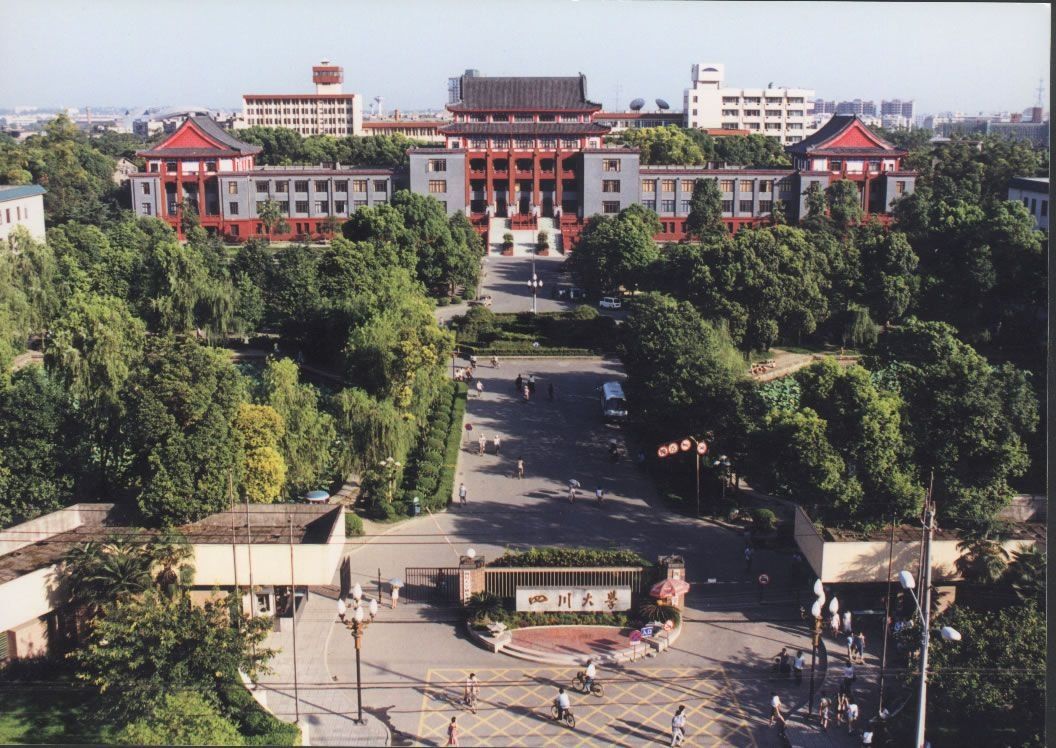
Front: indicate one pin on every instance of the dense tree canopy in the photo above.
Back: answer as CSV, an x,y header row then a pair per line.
x,y
672,145
283,147
615,252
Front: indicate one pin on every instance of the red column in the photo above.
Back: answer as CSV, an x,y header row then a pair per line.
x,y
489,193
865,195
511,171
535,182
557,182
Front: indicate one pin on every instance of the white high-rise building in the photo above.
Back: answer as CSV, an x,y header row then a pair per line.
x,y
326,112
782,113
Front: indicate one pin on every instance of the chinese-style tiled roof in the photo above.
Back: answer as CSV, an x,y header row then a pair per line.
x,y
844,134
200,137
483,93
524,128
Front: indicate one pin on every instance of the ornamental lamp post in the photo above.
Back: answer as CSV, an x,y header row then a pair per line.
x,y
536,284
816,611
357,626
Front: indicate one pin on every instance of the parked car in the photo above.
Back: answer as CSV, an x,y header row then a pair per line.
x,y
610,302
482,301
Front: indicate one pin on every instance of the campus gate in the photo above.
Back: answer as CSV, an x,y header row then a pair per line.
x,y
437,585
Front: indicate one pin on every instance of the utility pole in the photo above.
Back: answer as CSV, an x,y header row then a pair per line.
x,y
925,614
887,614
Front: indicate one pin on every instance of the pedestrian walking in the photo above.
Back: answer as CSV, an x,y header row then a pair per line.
x,y
852,715
824,707
599,494
527,393
480,388
394,596
859,646
494,362
472,692
482,444
784,662
834,625
848,678
841,707
678,726
797,667
462,494
847,623
571,494
748,553
452,732
473,362
850,648
550,390
496,443
518,383
775,709
520,467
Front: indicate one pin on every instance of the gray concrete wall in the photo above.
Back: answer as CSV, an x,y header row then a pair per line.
x,y
138,185
455,176
248,194
594,174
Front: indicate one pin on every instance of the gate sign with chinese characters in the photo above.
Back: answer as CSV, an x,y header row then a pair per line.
x,y
574,599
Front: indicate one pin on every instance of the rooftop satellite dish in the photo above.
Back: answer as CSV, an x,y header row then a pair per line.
x,y
637,104
662,104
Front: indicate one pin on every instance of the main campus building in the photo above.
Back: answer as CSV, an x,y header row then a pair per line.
x,y
522,154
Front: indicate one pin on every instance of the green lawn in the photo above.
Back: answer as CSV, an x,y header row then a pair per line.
x,y
52,712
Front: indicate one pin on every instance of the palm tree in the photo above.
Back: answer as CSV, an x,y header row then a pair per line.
x,y
1026,574
983,559
271,216
95,573
170,552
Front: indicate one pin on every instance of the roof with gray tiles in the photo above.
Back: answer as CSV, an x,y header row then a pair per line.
x,y
17,191
524,93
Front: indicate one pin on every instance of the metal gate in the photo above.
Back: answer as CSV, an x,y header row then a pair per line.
x,y
430,584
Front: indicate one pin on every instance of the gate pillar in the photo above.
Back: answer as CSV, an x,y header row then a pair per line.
x,y
470,577
673,567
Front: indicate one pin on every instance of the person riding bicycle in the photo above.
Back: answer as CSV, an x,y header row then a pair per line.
x,y
589,676
599,494
563,703
495,362
472,691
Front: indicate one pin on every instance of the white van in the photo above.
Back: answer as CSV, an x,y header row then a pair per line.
x,y
613,402
610,302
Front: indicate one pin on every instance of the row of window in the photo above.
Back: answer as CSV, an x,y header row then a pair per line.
x,y
522,144
20,213
744,206
755,113
520,118
725,185
322,207
297,102
770,100
276,121
297,110
301,185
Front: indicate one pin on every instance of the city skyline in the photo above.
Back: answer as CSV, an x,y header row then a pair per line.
x,y
637,50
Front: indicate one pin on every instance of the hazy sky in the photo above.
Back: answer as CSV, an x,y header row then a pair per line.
x,y
946,56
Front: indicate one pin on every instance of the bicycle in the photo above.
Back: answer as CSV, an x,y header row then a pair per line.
x,y
568,719
579,683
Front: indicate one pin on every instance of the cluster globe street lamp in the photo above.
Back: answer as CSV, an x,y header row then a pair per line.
x,y
817,610
948,633
536,284
723,462
357,625
700,448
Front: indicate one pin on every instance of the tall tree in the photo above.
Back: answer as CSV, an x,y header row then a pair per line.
x,y
263,469
705,211
614,252
271,215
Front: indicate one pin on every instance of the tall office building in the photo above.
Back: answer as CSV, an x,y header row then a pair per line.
x,y
326,112
781,113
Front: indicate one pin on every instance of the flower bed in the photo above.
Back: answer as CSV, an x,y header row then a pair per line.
x,y
569,557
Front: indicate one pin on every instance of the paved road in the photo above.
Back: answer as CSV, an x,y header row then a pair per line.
x,y
728,640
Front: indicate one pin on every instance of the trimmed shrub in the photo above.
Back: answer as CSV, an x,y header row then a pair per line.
x,y
570,557
257,725
763,520
353,524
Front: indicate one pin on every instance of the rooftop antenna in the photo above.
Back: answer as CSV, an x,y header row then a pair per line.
x,y
1041,90
379,106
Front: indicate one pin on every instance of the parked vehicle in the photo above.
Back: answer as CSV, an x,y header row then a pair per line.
x,y
481,301
613,402
610,302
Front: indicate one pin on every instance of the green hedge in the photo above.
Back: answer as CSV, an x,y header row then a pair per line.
x,y
430,471
525,349
569,557
524,619
353,524
257,725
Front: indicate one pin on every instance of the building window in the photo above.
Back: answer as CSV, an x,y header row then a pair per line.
x,y
773,112
170,166
380,185
751,112
650,204
146,209
547,118
146,188
232,208
284,206
500,142
210,166
731,100
522,118
478,143
301,206
570,143
726,185
648,186
835,164
727,206
436,164
746,185
341,185
685,206
548,143
154,166
731,112
321,208
610,185
667,185
766,206
301,185
900,187
1044,208
261,186
437,185
359,185
667,206
610,164
232,188
322,186
687,185
282,187
764,185
745,206
610,206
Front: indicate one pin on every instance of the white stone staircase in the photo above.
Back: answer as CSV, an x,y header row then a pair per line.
x,y
524,240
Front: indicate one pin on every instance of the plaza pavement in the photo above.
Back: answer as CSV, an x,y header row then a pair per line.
x,y
719,667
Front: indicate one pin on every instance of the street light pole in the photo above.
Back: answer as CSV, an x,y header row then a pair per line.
x,y
925,616
357,626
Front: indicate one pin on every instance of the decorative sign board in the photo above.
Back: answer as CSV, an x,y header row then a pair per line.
x,y
573,599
